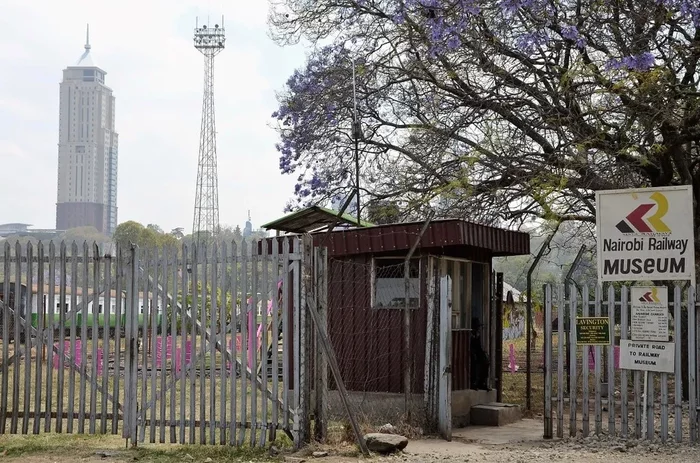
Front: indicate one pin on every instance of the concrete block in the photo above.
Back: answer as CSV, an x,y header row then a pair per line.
x,y
494,414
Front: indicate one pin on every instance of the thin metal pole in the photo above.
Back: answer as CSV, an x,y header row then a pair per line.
x,y
528,357
356,136
567,282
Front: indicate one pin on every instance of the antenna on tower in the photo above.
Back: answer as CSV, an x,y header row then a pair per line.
x,y
87,38
205,225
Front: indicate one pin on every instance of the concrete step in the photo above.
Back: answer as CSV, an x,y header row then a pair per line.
x,y
494,414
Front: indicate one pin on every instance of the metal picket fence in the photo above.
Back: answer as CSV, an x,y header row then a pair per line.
x,y
593,387
189,345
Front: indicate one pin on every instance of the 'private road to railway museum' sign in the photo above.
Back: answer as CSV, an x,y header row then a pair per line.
x,y
645,234
647,356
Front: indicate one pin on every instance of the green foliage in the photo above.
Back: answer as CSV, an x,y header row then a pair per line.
x,y
383,212
82,234
150,236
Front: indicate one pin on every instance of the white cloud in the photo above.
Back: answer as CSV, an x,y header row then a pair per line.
x,y
157,78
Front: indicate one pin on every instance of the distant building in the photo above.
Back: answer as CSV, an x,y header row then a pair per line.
x,y
7,229
87,149
22,229
248,229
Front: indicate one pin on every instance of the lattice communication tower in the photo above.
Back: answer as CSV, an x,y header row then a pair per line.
x,y
209,41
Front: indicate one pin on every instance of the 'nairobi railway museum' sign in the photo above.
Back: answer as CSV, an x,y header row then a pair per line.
x,y
645,234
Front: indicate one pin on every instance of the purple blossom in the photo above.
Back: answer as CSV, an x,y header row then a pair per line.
x,y
687,8
453,42
528,43
399,17
316,183
571,33
446,27
510,7
641,62
470,6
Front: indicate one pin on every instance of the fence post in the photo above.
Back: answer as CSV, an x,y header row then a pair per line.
x,y
548,417
131,360
302,381
678,375
497,325
571,378
692,399
321,288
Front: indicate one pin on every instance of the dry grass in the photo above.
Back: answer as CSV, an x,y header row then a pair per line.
x,y
209,376
65,447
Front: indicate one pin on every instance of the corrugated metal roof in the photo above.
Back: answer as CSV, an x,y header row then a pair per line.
x,y
440,233
311,219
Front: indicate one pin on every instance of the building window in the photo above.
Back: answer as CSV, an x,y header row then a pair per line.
x,y
389,285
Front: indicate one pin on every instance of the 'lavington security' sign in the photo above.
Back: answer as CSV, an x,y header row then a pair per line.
x,y
647,356
645,234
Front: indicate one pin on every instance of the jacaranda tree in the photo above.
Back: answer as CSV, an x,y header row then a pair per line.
x,y
500,110
496,110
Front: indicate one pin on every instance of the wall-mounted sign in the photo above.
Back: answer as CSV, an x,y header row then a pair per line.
x,y
647,356
592,331
649,313
645,234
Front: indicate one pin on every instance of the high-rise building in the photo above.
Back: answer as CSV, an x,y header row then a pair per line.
x,y
87,148
248,229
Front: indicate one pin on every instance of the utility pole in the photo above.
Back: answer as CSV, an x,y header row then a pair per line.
x,y
356,134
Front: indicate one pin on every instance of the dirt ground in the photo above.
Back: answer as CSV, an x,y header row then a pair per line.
x,y
521,442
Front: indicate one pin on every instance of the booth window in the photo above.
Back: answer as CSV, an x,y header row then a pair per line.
x,y
389,283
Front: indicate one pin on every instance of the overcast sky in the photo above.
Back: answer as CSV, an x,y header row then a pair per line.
x,y
146,48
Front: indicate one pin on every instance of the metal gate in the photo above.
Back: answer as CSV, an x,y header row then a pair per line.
x,y
189,345
589,382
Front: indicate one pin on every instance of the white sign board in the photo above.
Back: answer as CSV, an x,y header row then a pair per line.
x,y
647,356
649,313
645,234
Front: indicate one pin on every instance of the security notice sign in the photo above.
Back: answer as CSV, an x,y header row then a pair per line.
x,y
645,234
647,356
649,313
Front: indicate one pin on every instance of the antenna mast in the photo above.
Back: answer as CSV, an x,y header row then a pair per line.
x,y
205,225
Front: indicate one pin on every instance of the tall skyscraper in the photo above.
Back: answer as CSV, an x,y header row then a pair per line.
x,y
87,148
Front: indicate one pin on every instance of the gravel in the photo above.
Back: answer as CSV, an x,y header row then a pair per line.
x,y
565,450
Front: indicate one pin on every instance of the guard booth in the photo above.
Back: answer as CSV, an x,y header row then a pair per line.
x,y
453,312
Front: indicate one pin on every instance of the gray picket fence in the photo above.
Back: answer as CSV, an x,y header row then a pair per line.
x,y
171,345
588,381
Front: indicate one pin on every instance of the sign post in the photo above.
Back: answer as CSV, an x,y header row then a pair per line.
x,y
645,234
